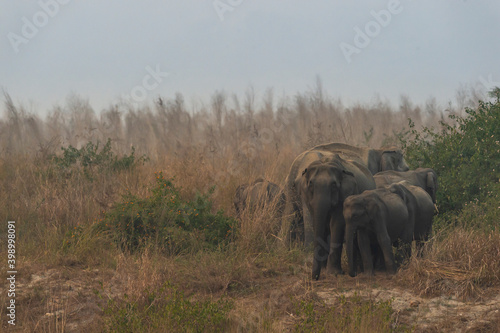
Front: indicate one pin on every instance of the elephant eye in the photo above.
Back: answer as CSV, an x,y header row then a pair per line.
x,y
310,185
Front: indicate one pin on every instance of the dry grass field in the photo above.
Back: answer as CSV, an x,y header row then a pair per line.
x,y
76,273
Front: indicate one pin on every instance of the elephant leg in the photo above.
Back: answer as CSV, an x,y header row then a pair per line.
x,y
377,257
407,246
320,251
403,251
337,232
419,244
386,245
418,247
365,251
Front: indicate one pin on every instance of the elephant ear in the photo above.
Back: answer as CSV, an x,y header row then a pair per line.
x,y
303,181
349,185
239,191
431,184
430,180
239,198
399,190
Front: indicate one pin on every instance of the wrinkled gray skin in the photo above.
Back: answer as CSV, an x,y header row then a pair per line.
x,y
374,160
420,209
377,217
426,178
258,193
322,188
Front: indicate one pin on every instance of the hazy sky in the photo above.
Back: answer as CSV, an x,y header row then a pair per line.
x,y
104,50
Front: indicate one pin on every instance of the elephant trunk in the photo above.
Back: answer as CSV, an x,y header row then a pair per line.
x,y
351,233
321,221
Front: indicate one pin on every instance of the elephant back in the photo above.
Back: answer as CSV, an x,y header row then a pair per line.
x,y
361,155
361,173
424,178
419,204
257,193
389,177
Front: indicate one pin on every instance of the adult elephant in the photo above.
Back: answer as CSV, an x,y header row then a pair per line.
x,y
323,182
374,160
420,209
377,217
257,194
426,178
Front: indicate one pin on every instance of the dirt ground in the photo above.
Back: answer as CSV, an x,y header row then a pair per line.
x,y
65,300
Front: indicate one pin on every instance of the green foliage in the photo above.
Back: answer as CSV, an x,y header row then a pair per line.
x,y
168,221
92,159
165,310
352,314
466,155
481,214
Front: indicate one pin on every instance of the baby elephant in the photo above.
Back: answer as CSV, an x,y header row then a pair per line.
x,y
377,217
420,209
257,194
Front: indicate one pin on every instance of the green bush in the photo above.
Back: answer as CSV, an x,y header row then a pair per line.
x,y
168,221
466,156
90,159
483,214
166,310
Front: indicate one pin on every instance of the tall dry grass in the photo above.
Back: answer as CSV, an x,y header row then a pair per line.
x,y
224,143
462,262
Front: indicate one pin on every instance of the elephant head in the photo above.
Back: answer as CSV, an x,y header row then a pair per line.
x,y
358,214
325,184
392,159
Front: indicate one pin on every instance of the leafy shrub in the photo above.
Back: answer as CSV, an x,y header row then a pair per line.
x,y
466,156
481,214
166,220
166,310
89,158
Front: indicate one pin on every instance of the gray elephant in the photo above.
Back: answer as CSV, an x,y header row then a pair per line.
x,y
420,208
377,217
374,160
258,193
324,181
425,178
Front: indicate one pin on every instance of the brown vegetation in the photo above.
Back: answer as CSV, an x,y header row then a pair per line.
x,y
65,267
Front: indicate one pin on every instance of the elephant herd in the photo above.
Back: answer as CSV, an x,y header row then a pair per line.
x,y
366,198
